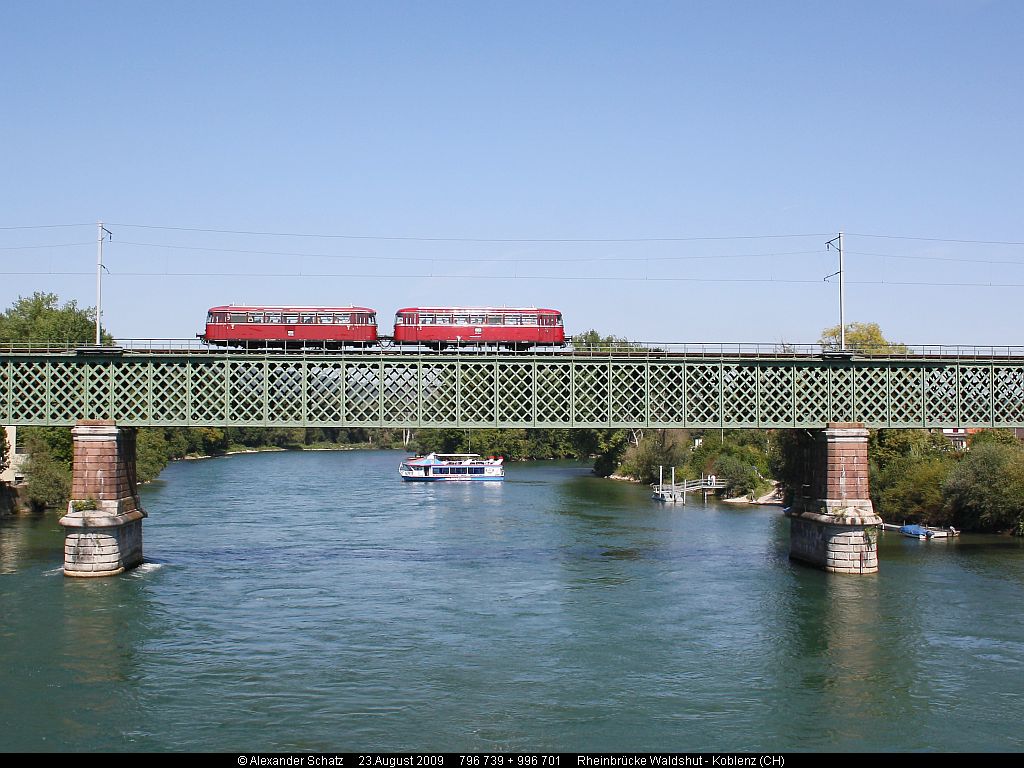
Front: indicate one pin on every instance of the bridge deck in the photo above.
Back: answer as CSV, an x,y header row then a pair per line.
x,y
374,389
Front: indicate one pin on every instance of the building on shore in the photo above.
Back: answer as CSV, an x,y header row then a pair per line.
x,y
15,458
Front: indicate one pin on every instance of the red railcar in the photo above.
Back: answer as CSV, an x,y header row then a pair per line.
x,y
260,326
515,328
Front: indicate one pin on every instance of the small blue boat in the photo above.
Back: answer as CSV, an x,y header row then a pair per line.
x,y
925,532
914,531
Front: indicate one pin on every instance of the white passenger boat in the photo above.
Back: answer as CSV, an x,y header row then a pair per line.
x,y
452,466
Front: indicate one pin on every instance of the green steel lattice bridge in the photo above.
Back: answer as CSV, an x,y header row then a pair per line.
x,y
381,389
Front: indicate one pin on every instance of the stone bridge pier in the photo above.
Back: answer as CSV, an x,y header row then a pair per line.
x,y
833,524
103,524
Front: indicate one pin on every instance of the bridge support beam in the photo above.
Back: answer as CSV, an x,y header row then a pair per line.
x,y
103,524
833,524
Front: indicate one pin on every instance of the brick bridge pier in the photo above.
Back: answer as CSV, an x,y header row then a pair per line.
x,y
103,524
833,524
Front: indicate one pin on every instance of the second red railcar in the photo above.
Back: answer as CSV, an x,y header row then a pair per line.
x,y
513,328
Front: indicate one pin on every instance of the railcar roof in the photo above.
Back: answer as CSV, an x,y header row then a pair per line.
x,y
284,308
484,310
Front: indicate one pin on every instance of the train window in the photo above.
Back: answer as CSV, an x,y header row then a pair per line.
x,y
476,319
371,319
344,318
494,319
291,318
306,317
209,317
444,319
558,320
426,319
273,317
462,319
236,317
528,319
325,318
513,320
255,317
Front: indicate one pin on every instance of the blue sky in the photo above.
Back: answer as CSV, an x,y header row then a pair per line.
x,y
622,162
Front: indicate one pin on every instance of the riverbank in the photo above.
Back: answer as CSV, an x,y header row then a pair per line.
x,y
298,449
773,497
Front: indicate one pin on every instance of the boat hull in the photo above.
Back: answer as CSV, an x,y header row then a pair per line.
x,y
485,479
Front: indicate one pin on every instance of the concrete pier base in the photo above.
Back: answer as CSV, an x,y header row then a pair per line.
x,y
103,524
102,545
832,523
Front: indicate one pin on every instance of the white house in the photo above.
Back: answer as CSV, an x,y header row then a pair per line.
x,y
13,472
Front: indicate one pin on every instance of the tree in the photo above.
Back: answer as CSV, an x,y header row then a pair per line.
x,y
986,489
592,341
996,436
40,318
49,478
865,338
660,447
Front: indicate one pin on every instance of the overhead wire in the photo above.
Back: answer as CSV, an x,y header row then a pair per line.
x,y
377,257
420,238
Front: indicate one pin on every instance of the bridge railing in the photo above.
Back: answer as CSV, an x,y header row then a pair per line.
x,y
638,350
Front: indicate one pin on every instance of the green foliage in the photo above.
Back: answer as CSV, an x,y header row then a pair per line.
x,y
907,470
658,447
911,489
740,476
592,341
57,441
886,446
48,477
152,452
985,491
514,444
865,338
791,461
992,436
41,318
740,457
3,449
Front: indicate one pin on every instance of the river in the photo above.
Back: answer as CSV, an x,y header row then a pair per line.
x,y
314,601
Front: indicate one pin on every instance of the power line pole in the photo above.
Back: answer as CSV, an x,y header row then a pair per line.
x,y
100,231
837,243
